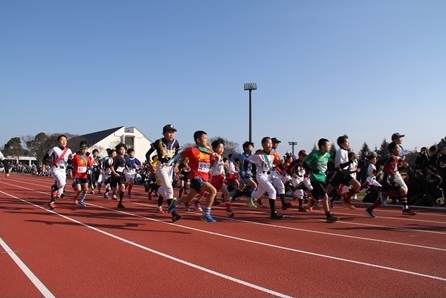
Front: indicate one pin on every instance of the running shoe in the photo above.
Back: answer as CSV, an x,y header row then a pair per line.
x,y
52,205
230,213
251,203
197,206
207,218
175,217
286,205
159,209
276,215
82,204
408,212
120,206
302,209
370,213
332,219
186,206
76,201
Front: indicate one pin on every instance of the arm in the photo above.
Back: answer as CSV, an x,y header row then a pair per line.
x,y
149,153
174,159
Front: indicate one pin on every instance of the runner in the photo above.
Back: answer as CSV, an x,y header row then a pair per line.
x,y
59,155
200,158
81,163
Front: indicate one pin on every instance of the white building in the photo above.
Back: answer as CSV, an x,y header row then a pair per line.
x,y
109,138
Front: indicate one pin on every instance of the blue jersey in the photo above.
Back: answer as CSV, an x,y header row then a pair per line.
x,y
133,163
245,165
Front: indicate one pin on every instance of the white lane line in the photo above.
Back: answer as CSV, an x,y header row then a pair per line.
x,y
336,234
32,277
224,276
285,248
332,234
233,238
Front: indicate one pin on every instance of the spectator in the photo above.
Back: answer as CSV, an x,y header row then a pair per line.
x,y
422,161
432,190
441,168
433,155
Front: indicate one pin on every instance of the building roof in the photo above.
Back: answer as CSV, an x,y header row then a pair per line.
x,y
91,138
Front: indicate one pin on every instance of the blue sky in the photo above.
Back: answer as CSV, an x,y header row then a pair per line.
x,y
323,69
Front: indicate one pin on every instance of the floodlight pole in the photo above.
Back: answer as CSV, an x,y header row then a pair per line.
x,y
250,87
292,144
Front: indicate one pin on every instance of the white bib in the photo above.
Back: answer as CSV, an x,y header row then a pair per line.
x,y
204,167
81,169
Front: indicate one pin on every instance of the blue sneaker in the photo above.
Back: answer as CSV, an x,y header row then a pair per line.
x,y
172,206
82,204
208,218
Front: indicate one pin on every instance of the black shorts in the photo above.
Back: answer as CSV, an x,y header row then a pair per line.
x,y
80,181
319,189
340,178
114,181
196,184
185,177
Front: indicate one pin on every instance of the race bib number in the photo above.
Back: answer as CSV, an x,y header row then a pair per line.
x,y
204,167
81,169
120,169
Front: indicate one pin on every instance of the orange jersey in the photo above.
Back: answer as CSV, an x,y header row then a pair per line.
x,y
81,164
277,161
199,162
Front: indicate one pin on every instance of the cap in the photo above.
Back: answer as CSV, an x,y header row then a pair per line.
x,y
274,140
169,127
397,135
83,145
302,152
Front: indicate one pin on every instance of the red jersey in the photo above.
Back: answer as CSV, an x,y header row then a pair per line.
x,y
81,164
391,166
199,162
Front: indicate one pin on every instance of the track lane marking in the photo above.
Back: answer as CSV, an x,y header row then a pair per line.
x,y
31,276
130,242
229,237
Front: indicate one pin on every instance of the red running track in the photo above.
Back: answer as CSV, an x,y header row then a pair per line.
x,y
101,251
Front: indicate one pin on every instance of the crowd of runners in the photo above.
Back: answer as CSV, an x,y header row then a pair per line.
x,y
204,175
